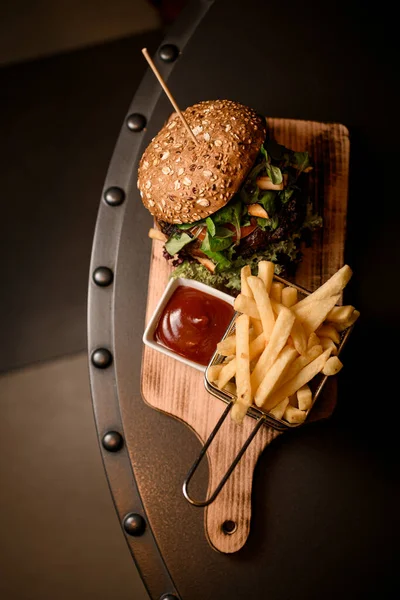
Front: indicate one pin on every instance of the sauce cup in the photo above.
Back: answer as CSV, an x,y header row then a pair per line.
x,y
149,334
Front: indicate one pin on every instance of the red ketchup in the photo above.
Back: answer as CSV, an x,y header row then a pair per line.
x,y
192,324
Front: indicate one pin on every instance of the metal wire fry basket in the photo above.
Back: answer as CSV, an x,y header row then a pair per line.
x,y
261,417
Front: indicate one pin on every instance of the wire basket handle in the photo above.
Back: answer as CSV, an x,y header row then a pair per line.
x,y
204,449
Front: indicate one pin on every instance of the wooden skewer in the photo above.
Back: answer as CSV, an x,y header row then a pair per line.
x,y
166,90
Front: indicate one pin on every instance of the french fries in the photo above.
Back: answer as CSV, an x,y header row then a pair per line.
x,y
304,396
281,344
247,306
276,291
244,274
329,331
294,415
227,346
214,372
263,303
279,409
289,296
278,339
332,366
286,356
266,273
243,386
294,384
156,234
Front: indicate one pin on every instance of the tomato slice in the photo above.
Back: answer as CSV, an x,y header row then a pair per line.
x,y
200,234
244,231
248,229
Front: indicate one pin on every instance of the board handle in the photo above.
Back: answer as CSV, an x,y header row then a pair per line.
x,y
193,469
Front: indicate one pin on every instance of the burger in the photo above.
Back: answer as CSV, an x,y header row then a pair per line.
x,y
231,199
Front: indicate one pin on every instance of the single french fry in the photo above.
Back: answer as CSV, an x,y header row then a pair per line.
x,y
276,291
332,287
245,272
313,340
330,332
256,210
277,341
332,366
257,326
257,346
294,415
285,357
263,305
342,326
206,262
266,271
213,372
304,397
227,346
328,343
305,311
238,412
296,382
247,306
301,362
299,337
316,316
243,386
279,409
156,234
340,314
289,296
227,372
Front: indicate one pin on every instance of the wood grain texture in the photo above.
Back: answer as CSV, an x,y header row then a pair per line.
x,y
174,388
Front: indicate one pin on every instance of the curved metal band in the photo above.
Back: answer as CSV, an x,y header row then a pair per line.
x,y
104,358
193,469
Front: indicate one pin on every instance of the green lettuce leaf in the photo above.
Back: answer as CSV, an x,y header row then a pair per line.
x,y
268,199
185,226
270,224
301,160
231,213
210,226
176,242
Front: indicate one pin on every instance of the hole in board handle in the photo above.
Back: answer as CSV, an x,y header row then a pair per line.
x,y
229,527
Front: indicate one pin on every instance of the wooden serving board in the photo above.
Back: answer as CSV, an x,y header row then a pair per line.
x,y
170,386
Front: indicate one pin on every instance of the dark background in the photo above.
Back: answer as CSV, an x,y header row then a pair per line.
x,y
60,115
68,72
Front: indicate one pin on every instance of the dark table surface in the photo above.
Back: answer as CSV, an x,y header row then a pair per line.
x,y
324,499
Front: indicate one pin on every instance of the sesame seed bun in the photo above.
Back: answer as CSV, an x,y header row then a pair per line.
x,y
181,182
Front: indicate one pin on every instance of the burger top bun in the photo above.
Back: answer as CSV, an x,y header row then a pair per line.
x,y
183,182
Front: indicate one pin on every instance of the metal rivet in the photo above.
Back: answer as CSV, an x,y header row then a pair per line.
x,y
134,524
101,358
168,52
114,196
112,441
103,276
136,122
169,597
